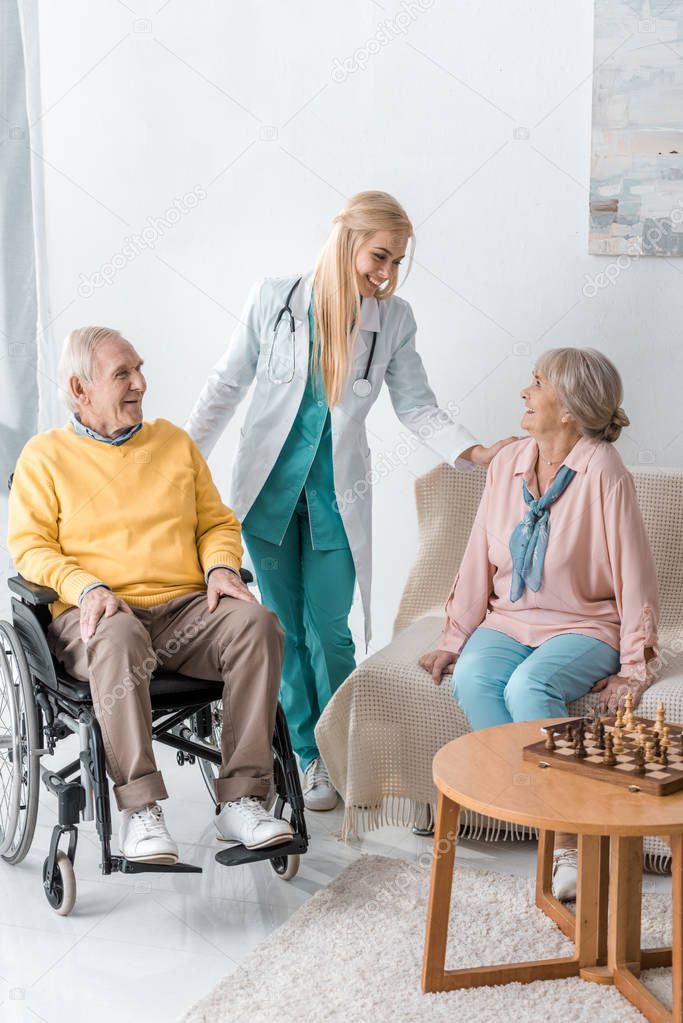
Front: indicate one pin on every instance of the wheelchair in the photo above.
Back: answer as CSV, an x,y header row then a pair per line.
x,y
40,704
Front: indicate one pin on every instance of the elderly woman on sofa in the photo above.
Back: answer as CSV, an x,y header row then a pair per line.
x,y
557,593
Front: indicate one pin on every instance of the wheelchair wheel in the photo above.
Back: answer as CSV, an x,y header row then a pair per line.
x,y
286,867
19,766
209,770
62,898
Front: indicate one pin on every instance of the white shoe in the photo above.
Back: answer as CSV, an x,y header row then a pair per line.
x,y
143,836
248,823
319,792
565,874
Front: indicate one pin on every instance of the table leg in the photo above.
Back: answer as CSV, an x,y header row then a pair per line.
x,y
625,901
677,927
436,937
623,942
434,975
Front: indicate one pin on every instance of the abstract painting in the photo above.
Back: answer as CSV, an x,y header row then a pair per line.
x,y
636,193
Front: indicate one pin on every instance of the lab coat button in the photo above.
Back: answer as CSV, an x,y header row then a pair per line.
x,y
313,493
320,404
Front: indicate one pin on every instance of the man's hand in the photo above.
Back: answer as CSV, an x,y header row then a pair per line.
x,y
479,455
614,689
96,604
437,662
223,583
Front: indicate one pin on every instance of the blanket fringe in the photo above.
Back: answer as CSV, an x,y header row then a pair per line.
x,y
399,811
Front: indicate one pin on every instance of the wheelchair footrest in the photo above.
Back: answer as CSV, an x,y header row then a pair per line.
x,y
125,866
237,854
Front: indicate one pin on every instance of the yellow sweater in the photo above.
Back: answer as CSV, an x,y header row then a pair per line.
x,y
144,517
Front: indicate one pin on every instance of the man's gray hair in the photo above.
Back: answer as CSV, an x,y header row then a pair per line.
x,y
589,387
78,358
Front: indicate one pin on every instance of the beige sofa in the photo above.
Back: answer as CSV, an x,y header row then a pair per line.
x,y
381,730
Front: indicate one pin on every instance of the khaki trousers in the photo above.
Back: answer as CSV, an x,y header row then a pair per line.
x,y
240,642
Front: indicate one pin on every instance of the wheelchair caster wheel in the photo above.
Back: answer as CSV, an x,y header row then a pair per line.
x,y
286,867
62,898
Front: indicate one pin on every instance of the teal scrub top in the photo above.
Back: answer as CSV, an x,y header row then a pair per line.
x,y
303,470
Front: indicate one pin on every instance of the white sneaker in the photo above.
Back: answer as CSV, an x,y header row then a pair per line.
x,y
565,874
143,836
319,792
248,823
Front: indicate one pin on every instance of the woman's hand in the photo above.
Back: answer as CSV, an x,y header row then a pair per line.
x,y
437,662
615,688
480,455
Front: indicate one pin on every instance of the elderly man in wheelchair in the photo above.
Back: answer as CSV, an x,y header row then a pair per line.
x,y
121,519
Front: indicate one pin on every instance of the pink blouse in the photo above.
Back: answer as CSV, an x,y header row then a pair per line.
x,y
598,578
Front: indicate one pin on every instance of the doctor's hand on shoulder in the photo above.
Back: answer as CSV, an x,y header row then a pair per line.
x,y
438,663
479,455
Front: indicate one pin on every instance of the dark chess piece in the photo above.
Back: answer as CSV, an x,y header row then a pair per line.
x,y
639,757
570,734
609,760
657,746
664,759
580,749
600,736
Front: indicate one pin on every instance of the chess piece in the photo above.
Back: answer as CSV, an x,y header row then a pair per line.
x,y
639,756
569,734
617,739
580,742
619,719
661,716
550,740
664,759
640,734
665,737
600,737
609,759
657,746
649,752
629,719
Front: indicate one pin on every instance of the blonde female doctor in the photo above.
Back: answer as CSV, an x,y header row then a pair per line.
x,y
320,347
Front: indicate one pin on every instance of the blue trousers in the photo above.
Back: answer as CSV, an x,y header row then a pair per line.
x,y
497,680
311,592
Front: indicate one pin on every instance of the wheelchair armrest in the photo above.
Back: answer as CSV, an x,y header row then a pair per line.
x,y
246,576
32,593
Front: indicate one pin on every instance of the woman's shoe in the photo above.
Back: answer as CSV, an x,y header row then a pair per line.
x,y
565,874
319,792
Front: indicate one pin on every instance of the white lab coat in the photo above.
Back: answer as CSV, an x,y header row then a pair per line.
x,y
274,406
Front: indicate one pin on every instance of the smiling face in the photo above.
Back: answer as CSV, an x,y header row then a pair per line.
x,y
543,412
112,402
378,260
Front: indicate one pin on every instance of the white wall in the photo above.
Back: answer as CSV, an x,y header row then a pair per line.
x,y
477,116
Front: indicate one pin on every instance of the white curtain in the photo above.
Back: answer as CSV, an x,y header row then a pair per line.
x,y
24,319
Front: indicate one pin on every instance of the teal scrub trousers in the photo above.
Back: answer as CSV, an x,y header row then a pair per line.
x,y
311,592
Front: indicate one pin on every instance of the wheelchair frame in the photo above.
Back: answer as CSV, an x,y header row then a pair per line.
x,y
82,786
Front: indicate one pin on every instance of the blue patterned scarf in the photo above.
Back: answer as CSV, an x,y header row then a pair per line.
x,y
529,540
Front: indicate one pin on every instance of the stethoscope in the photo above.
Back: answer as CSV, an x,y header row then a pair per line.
x,y
361,387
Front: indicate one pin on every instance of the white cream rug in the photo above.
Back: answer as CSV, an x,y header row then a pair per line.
x,y
353,953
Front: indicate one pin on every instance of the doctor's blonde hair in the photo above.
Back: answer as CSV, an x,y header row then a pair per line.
x,y
336,294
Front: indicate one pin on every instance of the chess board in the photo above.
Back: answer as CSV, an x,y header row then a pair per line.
x,y
657,779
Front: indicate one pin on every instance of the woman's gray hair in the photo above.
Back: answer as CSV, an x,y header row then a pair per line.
x,y
78,358
589,386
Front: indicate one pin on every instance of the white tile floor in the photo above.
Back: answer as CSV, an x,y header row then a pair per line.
x,y
143,948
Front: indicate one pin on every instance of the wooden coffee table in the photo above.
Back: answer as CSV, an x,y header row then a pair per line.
x,y
484,772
